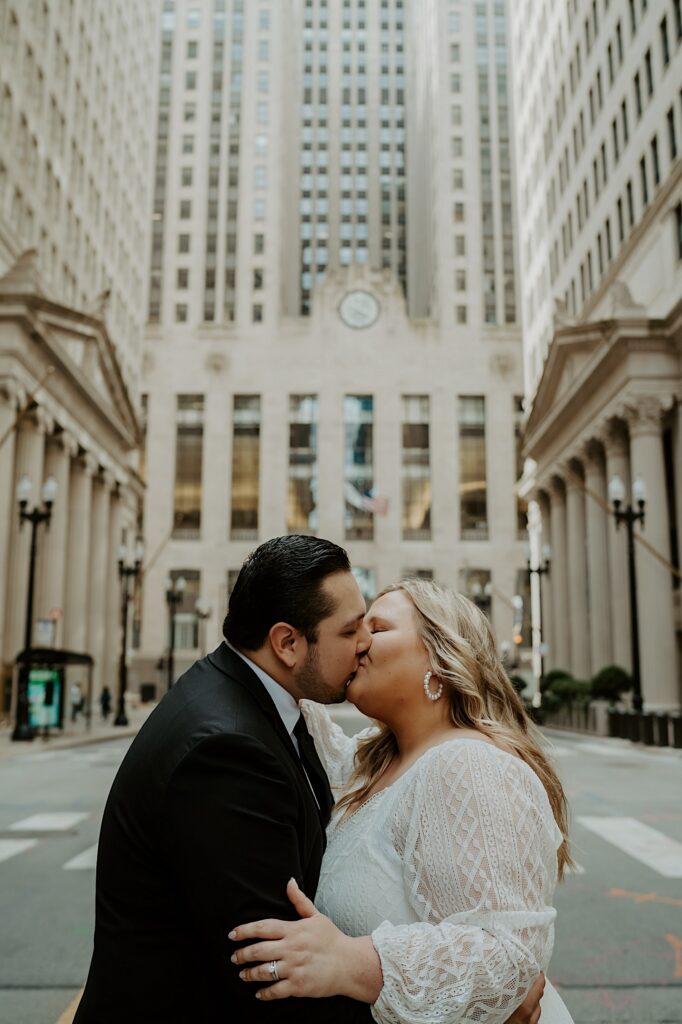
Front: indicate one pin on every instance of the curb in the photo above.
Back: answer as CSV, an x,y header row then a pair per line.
x,y
38,745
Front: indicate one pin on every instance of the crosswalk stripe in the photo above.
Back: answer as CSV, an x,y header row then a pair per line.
x,y
645,844
54,821
11,847
607,750
84,861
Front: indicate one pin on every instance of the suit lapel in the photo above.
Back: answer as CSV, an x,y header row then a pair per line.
x,y
230,664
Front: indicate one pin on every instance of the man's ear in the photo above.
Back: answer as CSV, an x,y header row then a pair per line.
x,y
286,643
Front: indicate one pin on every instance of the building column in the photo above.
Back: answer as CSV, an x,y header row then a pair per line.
x,y
597,556
98,588
677,472
60,449
560,657
29,461
8,508
615,441
78,545
546,593
579,612
113,610
658,653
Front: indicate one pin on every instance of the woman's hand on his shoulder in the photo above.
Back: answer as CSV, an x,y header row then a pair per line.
x,y
312,957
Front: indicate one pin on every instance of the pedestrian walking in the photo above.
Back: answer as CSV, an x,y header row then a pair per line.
x,y
76,699
105,703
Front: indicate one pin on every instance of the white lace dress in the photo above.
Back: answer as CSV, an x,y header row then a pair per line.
x,y
451,870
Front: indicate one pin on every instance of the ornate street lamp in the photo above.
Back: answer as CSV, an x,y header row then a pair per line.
x,y
175,591
22,726
203,611
129,568
630,516
539,570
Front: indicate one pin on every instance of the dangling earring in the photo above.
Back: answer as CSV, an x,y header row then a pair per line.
x,y
427,688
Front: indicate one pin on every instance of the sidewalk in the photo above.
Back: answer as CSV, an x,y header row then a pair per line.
x,y
75,734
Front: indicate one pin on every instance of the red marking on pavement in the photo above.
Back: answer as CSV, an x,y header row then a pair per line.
x,y
677,947
645,897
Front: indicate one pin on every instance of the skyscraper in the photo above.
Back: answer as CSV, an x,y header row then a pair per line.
x,y
332,333
599,117
76,106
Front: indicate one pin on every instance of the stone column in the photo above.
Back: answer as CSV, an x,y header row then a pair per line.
x,y
659,671
78,546
579,612
98,590
30,457
677,472
597,556
546,606
8,506
60,449
112,644
561,657
615,440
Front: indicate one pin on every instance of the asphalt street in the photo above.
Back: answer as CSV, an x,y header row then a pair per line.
x,y
618,952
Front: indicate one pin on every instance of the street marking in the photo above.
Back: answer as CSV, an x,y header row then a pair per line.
x,y
606,750
55,821
85,861
677,946
659,852
645,897
11,847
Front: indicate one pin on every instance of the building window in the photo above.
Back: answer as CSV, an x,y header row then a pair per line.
x,y
181,313
655,161
476,584
245,467
416,468
189,434
185,209
665,46
186,621
521,503
302,513
182,278
186,176
678,225
643,178
183,243
472,469
672,137
366,580
461,314
359,467
192,49
258,244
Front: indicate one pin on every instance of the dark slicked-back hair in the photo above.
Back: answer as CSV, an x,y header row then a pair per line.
x,y
281,581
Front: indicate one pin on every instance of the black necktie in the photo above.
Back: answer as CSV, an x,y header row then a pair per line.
x,y
314,770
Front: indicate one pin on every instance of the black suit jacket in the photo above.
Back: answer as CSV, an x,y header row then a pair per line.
x,y
209,816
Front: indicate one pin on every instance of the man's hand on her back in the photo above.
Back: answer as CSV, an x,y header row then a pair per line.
x,y
529,1010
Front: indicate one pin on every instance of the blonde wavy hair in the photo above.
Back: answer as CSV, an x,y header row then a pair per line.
x,y
462,655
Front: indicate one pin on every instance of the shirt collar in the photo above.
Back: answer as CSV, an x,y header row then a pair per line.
x,y
287,706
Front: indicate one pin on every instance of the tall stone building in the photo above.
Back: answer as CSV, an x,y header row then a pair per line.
x,y
76,108
333,344
599,131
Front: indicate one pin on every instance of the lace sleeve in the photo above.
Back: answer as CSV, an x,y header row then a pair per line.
x,y
336,750
478,845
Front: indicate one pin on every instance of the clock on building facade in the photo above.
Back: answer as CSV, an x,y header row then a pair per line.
x,y
359,309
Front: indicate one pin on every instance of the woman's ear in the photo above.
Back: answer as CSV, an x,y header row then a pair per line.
x,y
285,642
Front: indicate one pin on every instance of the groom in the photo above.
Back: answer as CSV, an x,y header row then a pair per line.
x,y
222,798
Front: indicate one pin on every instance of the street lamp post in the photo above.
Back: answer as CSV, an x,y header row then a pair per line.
x,y
22,726
539,570
175,590
203,611
630,516
129,568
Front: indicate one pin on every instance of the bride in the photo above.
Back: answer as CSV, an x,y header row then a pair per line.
x,y
448,836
